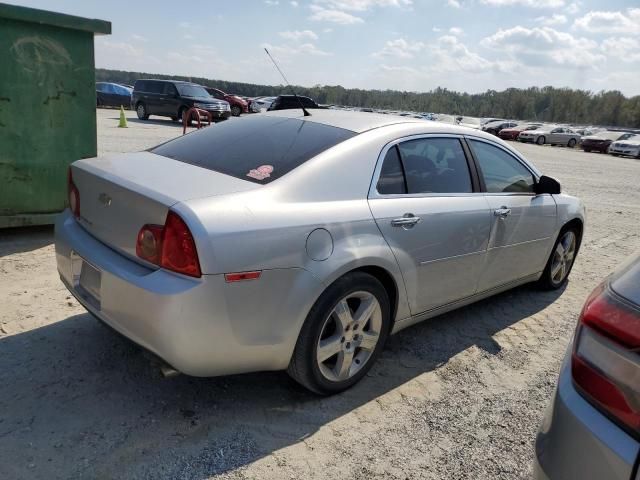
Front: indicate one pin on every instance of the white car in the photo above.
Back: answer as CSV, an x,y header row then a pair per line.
x,y
629,147
263,103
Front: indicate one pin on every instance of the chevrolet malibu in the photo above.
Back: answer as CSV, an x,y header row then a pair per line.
x,y
283,241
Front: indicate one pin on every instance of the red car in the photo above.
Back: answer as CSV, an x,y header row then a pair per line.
x,y
238,105
513,132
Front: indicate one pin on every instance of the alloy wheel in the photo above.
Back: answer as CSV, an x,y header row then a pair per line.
x,y
563,257
349,336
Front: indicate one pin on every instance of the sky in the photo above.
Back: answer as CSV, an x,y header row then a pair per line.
x,y
414,45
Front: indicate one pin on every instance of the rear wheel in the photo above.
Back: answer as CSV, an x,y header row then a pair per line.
x,y
236,111
572,143
561,260
588,150
540,140
141,111
343,334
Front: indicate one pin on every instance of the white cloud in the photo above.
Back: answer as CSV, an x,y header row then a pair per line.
x,y
454,4
400,48
362,5
184,25
294,3
610,22
120,48
299,35
526,3
574,7
623,48
272,3
320,14
188,36
139,38
555,19
290,50
545,46
456,31
454,56
327,30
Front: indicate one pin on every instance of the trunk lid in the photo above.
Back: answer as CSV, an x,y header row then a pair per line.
x,y
121,193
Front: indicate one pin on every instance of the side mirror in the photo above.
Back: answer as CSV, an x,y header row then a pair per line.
x,y
547,185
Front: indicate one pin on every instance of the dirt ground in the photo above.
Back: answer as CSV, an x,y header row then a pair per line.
x,y
460,396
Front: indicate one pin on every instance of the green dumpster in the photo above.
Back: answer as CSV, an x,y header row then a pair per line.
x,y
47,109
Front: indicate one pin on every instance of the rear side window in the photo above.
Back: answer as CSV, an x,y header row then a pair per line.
x,y
501,171
259,148
391,179
435,165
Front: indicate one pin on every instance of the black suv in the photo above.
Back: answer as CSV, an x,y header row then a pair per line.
x,y
289,102
169,98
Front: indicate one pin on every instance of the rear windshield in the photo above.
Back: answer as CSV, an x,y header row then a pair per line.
x,y
259,148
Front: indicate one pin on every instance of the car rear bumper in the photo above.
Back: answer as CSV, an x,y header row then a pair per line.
x,y
577,441
200,326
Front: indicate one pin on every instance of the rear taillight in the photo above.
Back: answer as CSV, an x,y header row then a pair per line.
x,y
170,246
606,357
74,195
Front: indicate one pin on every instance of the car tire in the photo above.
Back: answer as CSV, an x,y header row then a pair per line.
x,y
141,111
561,259
236,111
587,150
615,154
353,311
572,143
540,140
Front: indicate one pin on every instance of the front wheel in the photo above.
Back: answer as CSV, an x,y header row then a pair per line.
x,y
236,111
572,143
561,260
343,334
541,140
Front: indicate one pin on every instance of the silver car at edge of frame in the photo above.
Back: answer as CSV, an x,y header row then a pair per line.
x,y
591,430
282,241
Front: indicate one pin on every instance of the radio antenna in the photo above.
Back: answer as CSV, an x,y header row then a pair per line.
x,y
306,114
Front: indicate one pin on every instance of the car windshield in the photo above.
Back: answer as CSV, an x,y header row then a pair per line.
x,y
259,149
192,90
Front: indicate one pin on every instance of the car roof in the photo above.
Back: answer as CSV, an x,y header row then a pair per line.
x,y
165,81
359,122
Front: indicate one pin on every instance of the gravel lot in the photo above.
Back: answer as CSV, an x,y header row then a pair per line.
x,y
460,396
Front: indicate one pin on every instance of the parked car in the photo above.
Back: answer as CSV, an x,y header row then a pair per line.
x,y
601,141
495,127
592,429
172,98
300,243
238,105
263,103
513,132
112,95
629,147
288,102
553,135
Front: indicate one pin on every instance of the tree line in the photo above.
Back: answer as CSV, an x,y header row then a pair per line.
x,y
548,104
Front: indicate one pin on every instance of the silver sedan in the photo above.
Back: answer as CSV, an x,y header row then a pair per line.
x,y
553,135
283,241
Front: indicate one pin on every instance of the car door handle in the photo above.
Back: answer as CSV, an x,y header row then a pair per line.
x,y
408,220
502,212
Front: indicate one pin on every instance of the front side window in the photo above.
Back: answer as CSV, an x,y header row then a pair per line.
x,y
435,165
501,171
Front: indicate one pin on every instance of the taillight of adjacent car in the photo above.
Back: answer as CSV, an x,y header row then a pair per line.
x,y
73,195
606,357
169,246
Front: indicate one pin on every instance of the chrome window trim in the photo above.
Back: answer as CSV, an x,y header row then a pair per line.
x,y
373,190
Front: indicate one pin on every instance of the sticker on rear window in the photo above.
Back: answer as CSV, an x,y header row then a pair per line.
x,y
260,173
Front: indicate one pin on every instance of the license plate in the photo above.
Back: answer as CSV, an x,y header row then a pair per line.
x,y
87,280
